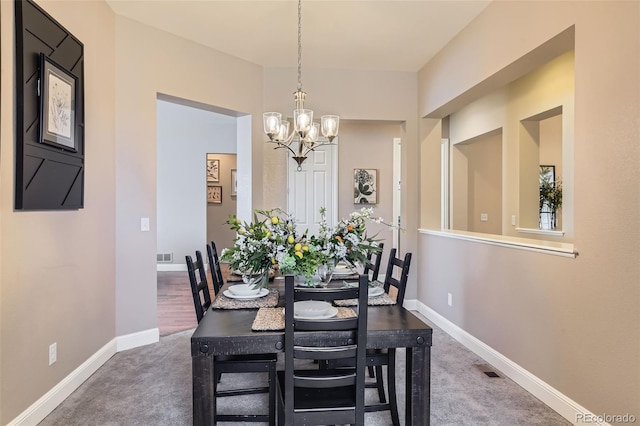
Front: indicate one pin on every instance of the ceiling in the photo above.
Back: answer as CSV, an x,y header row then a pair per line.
x,y
395,35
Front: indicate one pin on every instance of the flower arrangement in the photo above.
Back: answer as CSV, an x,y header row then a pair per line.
x,y
348,241
272,241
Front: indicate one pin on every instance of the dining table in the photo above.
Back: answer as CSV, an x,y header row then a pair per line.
x,y
229,332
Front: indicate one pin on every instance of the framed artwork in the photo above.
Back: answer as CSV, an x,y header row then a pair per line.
x,y
365,186
57,105
213,170
214,194
234,182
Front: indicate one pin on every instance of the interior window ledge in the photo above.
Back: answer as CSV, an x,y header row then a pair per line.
x,y
548,247
541,232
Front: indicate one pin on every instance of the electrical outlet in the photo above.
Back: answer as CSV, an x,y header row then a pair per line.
x,y
513,220
53,353
144,224
484,217
449,299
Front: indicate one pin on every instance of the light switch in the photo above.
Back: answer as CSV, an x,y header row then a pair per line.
x,y
144,224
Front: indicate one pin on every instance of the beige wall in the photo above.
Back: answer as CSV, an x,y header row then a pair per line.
x,y
574,323
217,214
151,62
57,278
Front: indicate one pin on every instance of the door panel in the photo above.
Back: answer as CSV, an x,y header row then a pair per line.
x,y
312,188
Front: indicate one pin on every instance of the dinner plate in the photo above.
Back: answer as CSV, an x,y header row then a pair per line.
x,y
342,270
311,308
376,291
263,292
330,314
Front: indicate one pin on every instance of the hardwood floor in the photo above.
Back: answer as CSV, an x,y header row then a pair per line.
x,y
175,302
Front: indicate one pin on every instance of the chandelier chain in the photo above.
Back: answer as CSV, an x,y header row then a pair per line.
x,y
299,45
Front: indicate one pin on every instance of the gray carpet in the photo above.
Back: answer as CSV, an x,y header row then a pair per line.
x,y
152,386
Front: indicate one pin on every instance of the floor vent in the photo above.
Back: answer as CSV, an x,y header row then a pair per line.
x,y
487,369
164,257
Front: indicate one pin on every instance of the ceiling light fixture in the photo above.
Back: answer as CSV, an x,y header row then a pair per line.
x,y
305,132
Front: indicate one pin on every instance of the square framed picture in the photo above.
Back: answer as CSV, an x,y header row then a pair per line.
x,y
234,182
214,194
57,105
213,170
365,186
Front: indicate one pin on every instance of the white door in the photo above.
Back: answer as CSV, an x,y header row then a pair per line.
x,y
313,187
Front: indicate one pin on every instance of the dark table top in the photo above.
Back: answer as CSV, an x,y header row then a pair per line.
x,y
228,331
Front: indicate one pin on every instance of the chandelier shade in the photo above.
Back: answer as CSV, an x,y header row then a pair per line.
x,y
305,136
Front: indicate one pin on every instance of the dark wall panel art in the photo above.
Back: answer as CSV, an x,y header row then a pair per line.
x,y
49,176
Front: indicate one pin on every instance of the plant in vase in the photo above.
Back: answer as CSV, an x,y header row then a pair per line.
x,y
348,241
255,245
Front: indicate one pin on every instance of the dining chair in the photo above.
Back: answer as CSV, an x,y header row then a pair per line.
x,y
260,363
377,358
373,266
323,396
214,267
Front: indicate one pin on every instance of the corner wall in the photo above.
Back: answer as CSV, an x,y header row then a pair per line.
x,y
57,268
574,323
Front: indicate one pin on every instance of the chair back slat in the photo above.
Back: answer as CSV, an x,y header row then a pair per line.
x,y
199,285
372,266
214,266
399,283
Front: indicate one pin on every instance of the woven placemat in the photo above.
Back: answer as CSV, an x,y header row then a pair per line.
x,y
268,301
383,299
273,318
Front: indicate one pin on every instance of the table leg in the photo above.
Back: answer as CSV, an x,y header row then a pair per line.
x,y
204,404
418,383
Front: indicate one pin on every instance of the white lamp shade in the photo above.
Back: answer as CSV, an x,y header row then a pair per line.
x,y
283,133
302,121
330,124
271,121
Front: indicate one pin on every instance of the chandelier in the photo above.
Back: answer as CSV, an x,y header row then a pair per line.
x,y
305,136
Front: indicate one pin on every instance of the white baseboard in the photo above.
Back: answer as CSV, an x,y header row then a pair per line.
x,y
134,340
556,400
49,401
171,267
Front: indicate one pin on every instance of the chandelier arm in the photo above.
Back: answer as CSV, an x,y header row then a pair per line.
x,y
283,145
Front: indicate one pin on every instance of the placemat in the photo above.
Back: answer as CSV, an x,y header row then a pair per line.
x,y
383,299
273,318
268,301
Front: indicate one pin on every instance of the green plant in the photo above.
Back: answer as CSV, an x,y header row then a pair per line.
x,y
550,194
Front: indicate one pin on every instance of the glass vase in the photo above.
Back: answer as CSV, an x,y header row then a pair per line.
x,y
257,279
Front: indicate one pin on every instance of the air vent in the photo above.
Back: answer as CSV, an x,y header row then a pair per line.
x,y
488,370
491,374
164,257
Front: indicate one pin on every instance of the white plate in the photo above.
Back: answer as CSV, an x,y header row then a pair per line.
x,y
330,314
244,290
342,270
311,308
376,291
263,292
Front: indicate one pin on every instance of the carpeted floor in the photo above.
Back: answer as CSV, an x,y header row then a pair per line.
x,y
152,386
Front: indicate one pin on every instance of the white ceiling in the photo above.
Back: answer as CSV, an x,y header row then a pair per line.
x,y
394,35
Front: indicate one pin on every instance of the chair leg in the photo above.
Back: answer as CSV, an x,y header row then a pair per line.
x,y
391,384
371,374
380,384
272,394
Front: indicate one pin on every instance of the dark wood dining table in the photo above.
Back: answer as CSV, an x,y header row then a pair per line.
x,y
228,332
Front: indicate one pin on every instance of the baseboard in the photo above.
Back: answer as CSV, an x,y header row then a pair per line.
x,y
134,340
49,401
556,400
171,267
